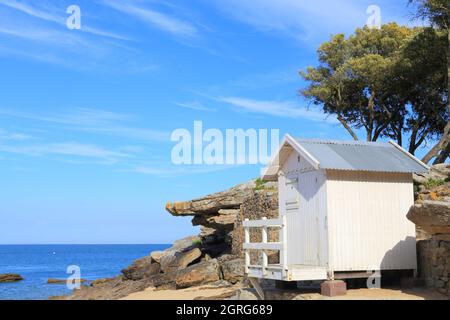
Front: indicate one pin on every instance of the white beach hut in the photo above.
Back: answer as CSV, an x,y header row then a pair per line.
x,y
342,211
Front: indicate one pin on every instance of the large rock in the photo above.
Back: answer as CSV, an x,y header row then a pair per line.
x,y
211,204
437,172
10,277
198,274
156,256
141,268
183,244
108,289
224,219
179,260
431,216
233,270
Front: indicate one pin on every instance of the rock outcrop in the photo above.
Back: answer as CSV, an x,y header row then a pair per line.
x,y
431,213
10,277
432,216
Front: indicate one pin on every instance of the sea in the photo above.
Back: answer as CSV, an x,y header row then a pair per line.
x,y
38,263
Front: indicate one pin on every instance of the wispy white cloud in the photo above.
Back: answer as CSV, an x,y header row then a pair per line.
x,y
13,136
296,18
50,17
194,105
66,149
177,171
285,109
154,18
94,121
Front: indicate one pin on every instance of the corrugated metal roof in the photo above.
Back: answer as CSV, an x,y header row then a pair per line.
x,y
360,156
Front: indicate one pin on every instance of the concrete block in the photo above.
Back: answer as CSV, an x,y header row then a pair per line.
x,y
333,288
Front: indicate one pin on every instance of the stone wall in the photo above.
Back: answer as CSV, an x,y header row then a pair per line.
x,y
434,264
431,214
262,203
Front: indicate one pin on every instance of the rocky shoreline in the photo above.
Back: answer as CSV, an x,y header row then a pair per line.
x,y
214,258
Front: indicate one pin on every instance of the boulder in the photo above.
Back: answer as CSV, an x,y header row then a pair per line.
x,y
141,268
183,244
156,256
108,289
10,277
163,281
245,295
233,270
101,281
222,220
198,274
431,216
179,260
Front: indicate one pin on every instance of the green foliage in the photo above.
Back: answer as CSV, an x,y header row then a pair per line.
x,y
433,183
436,11
388,82
259,184
197,242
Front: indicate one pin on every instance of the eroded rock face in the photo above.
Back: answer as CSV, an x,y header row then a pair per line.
x,y
201,273
141,268
211,204
156,256
233,270
431,216
179,260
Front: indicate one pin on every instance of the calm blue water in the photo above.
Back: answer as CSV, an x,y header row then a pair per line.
x,y
38,263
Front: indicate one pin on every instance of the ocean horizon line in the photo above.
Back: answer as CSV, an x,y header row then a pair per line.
x,y
82,244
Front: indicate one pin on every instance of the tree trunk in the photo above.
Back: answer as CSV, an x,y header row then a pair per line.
x,y
443,156
347,127
443,145
442,149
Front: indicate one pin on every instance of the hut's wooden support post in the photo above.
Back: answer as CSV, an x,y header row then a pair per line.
x,y
247,252
265,259
284,241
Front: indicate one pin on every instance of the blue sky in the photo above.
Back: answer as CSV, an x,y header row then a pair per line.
x,y
86,115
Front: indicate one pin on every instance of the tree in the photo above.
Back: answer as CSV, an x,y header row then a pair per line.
x,y
354,80
437,12
423,84
389,81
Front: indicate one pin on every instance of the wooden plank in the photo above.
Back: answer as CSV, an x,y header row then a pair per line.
x,y
263,223
352,275
264,246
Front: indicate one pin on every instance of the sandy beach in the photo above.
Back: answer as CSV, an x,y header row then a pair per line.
x,y
206,293
203,292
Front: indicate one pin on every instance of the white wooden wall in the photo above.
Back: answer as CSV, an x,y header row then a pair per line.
x,y
367,221
302,198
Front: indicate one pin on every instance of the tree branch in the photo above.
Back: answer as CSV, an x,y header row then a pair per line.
x,y
347,127
441,145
